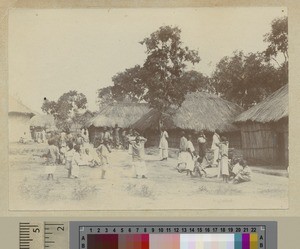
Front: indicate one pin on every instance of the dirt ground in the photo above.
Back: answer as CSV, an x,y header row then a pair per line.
x,y
165,188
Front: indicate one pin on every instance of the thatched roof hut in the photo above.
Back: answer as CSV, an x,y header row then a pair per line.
x,y
199,111
264,130
122,113
42,121
272,109
18,119
16,106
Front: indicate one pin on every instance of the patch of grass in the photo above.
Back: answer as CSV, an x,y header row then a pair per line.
x,y
82,192
203,189
38,191
141,190
219,190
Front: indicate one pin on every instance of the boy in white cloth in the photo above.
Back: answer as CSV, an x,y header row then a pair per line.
x,y
190,164
103,151
183,154
224,168
69,158
163,145
76,161
87,158
52,156
138,156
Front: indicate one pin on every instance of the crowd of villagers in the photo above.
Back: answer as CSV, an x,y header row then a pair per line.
x,y
233,170
75,150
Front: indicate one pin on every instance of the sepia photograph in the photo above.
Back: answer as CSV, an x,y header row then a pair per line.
x,y
148,109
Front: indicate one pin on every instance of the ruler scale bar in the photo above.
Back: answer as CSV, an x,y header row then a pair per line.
x,y
31,235
56,235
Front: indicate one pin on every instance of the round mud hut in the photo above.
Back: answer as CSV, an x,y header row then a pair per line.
x,y
19,117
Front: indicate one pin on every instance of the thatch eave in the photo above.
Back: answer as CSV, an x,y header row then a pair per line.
x,y
123,114
272,109
200,111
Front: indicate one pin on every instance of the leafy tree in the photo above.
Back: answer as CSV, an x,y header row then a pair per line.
x,y
277,39
245,79
195,81
65,108
118,92
164,67
129,84
278,45
104,96
162,81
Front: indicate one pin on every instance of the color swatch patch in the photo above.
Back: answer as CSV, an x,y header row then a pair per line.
x,y
172,241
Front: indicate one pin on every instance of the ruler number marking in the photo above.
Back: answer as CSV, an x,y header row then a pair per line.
x,y
62,228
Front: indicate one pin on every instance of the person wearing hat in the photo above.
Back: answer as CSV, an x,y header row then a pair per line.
x,y
138,156
215,147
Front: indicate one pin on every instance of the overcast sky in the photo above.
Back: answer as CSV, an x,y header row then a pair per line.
x,y
54,51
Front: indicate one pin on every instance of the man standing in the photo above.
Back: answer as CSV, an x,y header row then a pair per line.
x,y
202,146
116,136
183,142
215,147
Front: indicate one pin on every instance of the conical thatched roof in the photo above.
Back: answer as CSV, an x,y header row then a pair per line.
x,y
42,121
122,113
272,109
199,111
15,106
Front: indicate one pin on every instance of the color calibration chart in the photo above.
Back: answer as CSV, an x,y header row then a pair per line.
x,y
174,235
148,235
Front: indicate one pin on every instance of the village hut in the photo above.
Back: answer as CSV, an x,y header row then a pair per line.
x,y
40,122
18,120
123,114
264,130
199,111
81,121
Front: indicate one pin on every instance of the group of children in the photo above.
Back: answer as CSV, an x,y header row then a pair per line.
x,y
116,137
74,151
234,171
